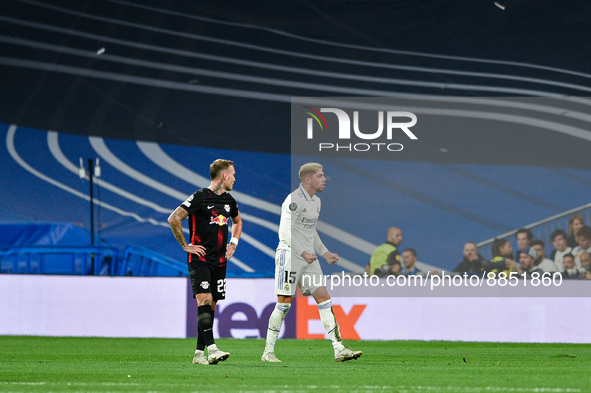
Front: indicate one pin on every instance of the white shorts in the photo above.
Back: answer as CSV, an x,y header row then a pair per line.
x,y
291,269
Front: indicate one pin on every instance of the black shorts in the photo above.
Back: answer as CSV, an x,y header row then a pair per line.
x,y
206,278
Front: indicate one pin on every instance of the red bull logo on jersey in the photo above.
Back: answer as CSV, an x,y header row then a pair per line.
x,y
219,220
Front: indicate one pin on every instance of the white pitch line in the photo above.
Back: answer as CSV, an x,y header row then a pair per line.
x,y
448,388
325,387
71,383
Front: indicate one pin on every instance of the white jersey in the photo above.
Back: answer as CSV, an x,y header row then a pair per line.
x,y
577,251
548,265
559,258
297,229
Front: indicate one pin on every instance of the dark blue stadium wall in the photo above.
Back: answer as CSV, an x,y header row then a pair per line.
x,y
438,206
132,209
192,78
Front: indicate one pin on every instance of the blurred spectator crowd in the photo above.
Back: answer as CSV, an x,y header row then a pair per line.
x,y
570,256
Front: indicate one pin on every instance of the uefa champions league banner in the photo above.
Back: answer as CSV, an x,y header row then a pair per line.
x,y
44,305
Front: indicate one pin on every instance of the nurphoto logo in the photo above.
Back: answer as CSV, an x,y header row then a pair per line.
x,y
394,123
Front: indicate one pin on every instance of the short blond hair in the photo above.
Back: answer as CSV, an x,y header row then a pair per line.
x,y
218,166
309,169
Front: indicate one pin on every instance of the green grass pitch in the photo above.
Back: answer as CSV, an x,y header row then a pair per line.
x,y
157,365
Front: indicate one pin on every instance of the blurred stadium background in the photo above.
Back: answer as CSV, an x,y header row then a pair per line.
x,y
154,91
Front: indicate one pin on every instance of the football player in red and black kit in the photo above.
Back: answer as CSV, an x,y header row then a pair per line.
x,y
210,211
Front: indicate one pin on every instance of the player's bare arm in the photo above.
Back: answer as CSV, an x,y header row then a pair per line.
x,y
175,220
330,257
236,232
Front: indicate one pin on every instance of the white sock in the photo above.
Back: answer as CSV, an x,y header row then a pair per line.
x,y
330,323
198,352
212,347
275,322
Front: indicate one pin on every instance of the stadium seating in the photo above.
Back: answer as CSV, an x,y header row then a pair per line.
x,y
139,261
64,260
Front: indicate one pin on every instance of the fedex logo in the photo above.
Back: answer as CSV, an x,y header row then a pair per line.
x,y
250,318
307,311
242,316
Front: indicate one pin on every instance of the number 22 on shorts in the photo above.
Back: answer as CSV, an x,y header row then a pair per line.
x,y
222,286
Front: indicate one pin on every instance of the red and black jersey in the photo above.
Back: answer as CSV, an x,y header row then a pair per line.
x,y
209,217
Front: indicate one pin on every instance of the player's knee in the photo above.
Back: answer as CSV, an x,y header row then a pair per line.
x,y
284,299
321,295
321,299
205,300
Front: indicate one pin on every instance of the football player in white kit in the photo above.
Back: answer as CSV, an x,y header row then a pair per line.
x,y
296,262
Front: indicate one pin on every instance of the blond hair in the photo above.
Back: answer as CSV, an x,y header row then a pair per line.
x,y
309,169
218,166
572,219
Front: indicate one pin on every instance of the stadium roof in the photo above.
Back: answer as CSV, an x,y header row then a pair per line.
x,y
221,74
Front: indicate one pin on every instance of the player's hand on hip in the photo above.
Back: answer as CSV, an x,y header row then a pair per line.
x,y
195,249
309,256
230,250
331,258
